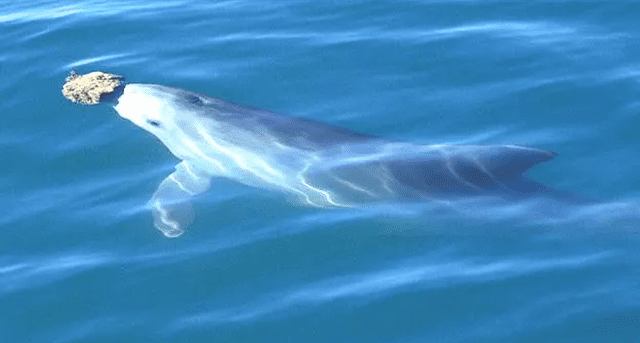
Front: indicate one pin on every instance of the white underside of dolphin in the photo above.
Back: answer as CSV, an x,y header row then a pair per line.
x,y
320,164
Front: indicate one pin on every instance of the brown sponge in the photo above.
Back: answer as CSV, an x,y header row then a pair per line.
x,y
88,89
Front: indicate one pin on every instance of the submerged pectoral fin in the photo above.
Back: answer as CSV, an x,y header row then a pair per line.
x,y
170,205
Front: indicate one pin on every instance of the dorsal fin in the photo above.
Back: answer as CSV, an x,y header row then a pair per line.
x,y
507,161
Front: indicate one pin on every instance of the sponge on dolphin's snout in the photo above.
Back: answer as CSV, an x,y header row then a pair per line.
x,y
89,89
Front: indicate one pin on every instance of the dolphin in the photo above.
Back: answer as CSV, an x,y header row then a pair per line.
x,y
319,164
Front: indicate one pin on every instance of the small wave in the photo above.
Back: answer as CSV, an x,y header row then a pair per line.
x,y
388,282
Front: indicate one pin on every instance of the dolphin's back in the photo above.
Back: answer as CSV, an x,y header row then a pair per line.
x,y
471,169
438,171
296,132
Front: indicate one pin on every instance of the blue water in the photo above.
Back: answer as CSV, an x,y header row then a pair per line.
x,y
81,262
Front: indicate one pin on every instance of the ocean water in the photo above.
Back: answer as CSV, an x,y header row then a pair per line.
x,y
80,260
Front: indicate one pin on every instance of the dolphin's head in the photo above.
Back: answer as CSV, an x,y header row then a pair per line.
x,y
171,114
157,109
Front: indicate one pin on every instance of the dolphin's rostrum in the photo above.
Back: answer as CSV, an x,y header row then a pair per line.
x,y
320,164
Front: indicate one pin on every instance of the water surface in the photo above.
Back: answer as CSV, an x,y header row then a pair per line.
x,y
81,261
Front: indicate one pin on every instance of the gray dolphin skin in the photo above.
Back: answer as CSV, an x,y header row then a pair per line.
x,y
319,164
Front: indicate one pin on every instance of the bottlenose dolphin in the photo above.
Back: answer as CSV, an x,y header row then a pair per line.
x,y
319,164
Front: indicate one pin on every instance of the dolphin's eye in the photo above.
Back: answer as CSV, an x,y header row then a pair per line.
x,y
153,123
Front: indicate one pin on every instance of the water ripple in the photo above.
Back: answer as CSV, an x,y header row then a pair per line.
x,y
388,282
28,11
